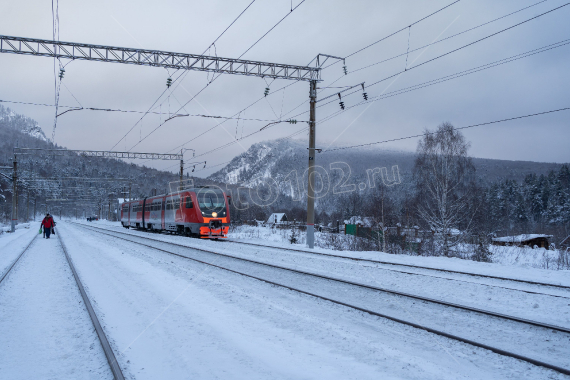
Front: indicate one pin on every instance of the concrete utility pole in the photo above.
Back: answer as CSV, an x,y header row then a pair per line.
x,y
311,177
14,196
181,170
28,207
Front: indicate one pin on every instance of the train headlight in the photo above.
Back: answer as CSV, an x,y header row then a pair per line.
x,y
214,214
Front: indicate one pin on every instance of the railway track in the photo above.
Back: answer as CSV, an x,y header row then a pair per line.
x,y
115,369
111,359
547,329
408,265
542,285
5,274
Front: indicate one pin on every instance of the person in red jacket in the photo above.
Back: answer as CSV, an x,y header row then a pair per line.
x,y
48,224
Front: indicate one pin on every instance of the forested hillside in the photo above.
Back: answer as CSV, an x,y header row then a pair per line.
x,y
36,171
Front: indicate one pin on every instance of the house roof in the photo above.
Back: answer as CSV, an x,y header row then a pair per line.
x,y
279,216
365,221
520,238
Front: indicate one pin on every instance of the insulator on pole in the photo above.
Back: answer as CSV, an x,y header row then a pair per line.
x,y
169,82
345,70
341,103
292,121
61,73
364,94
266,91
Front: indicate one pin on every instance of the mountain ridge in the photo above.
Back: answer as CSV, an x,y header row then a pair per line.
x,y
276,159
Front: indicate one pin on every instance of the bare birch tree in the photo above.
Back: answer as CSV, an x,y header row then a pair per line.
x,y
443,172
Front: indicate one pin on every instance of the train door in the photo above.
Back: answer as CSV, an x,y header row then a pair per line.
x,y
163,226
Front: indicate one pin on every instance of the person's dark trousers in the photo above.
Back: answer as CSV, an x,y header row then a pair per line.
x,y
47,231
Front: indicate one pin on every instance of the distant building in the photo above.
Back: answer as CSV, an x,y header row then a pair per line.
x,y
277,218
361,221
531,240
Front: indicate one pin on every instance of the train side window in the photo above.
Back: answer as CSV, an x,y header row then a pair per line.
x,y
189,203
176,203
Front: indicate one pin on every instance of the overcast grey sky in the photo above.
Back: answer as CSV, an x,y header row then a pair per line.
x,y
534,84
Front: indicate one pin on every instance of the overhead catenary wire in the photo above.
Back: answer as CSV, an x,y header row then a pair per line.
x,y
396,32
458,128
453,76
420,48
181,74
72,108
446,38
444,54
227,162
425,84
203,88
416,22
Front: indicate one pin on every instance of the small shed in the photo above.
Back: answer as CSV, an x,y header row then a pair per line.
x,y
277,218
530,240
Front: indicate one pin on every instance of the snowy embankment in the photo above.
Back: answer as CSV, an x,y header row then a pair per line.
x,y
6,229
169,317
510,256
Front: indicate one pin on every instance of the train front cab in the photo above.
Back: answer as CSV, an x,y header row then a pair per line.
x,y
204,213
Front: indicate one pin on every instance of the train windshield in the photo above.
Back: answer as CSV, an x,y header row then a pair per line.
x,y
211,201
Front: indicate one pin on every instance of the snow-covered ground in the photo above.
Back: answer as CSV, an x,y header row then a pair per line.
x,y
169,317
45,330
516,256
4,229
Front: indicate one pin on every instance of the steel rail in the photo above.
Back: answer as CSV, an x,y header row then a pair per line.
x,y
407,265
416,273
413,266
371,312
402,271
113,364
362,285
17,259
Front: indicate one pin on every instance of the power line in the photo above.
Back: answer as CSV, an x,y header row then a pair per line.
x,y
453,76
181,74
398,31
447,38
201,134
233,142
227,162
446,54
70,108
374,43
424,18
203,88
432,132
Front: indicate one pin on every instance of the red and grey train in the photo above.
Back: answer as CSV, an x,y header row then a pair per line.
x,y
201,212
